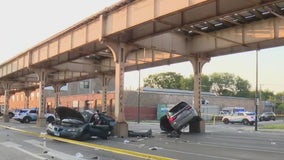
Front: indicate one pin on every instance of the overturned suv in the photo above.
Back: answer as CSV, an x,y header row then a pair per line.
x,y
80,125
178,117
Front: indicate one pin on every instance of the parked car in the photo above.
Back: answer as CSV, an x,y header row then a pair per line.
x,y
28,115
178,117
240,117
80,125
220,115
10,113
267,116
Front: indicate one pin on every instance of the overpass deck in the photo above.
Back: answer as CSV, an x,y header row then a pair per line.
x,y
138,34
166,32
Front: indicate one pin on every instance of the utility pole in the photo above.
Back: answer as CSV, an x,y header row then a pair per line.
x,y
256,91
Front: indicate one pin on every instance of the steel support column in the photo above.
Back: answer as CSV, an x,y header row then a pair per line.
x,y
57,88
7,86
27,97
197,63
41,103
119,52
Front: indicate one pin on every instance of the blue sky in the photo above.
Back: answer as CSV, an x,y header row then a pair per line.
x,y
32,21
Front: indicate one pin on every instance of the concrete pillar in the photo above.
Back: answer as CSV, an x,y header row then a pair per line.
x,y
119,52
7,86
27,98
57,88
41,121
105,80
197,63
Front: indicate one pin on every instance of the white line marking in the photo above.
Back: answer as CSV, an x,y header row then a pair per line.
x,y
18,147
51,152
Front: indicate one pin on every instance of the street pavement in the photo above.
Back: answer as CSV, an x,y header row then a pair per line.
x,y
220,141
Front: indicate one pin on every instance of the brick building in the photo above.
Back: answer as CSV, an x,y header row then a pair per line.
x,y
87,95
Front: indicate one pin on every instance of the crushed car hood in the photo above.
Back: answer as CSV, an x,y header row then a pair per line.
x,y
68,113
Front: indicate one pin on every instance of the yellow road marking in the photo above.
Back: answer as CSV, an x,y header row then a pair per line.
x,y
92,145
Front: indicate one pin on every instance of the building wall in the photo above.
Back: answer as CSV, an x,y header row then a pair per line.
x,y
95,86
144,102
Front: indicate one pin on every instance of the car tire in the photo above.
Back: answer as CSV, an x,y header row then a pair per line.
x,y
245,122
50,119
260,119
226,121
26,120
11,115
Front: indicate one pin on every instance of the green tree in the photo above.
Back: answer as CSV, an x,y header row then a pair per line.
x,y
227,84
188,83
266,95
242,87
280,108
206,83
223,84
279,98
168,80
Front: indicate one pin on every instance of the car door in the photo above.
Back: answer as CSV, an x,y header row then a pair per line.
x,y
33,114
236,117
240,117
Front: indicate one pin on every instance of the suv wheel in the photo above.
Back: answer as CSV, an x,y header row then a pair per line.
x,y
26,119
226,121
245,122
11,115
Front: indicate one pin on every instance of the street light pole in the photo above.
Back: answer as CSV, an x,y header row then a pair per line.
x,y
256,91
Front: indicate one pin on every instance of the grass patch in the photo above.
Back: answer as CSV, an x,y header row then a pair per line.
x,y
273,126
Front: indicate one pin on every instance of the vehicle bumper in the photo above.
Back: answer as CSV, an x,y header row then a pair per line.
x,y
60,131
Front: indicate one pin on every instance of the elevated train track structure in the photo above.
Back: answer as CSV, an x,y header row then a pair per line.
x,y
138,34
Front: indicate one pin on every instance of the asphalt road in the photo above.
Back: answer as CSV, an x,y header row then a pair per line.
x,y
219,142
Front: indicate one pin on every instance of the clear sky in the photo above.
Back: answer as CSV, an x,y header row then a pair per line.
x,y
24,23
270,74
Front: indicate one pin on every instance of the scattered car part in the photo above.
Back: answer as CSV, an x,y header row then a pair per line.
x,y
140,134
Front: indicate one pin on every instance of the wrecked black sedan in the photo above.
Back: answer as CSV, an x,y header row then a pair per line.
x,y
80,125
